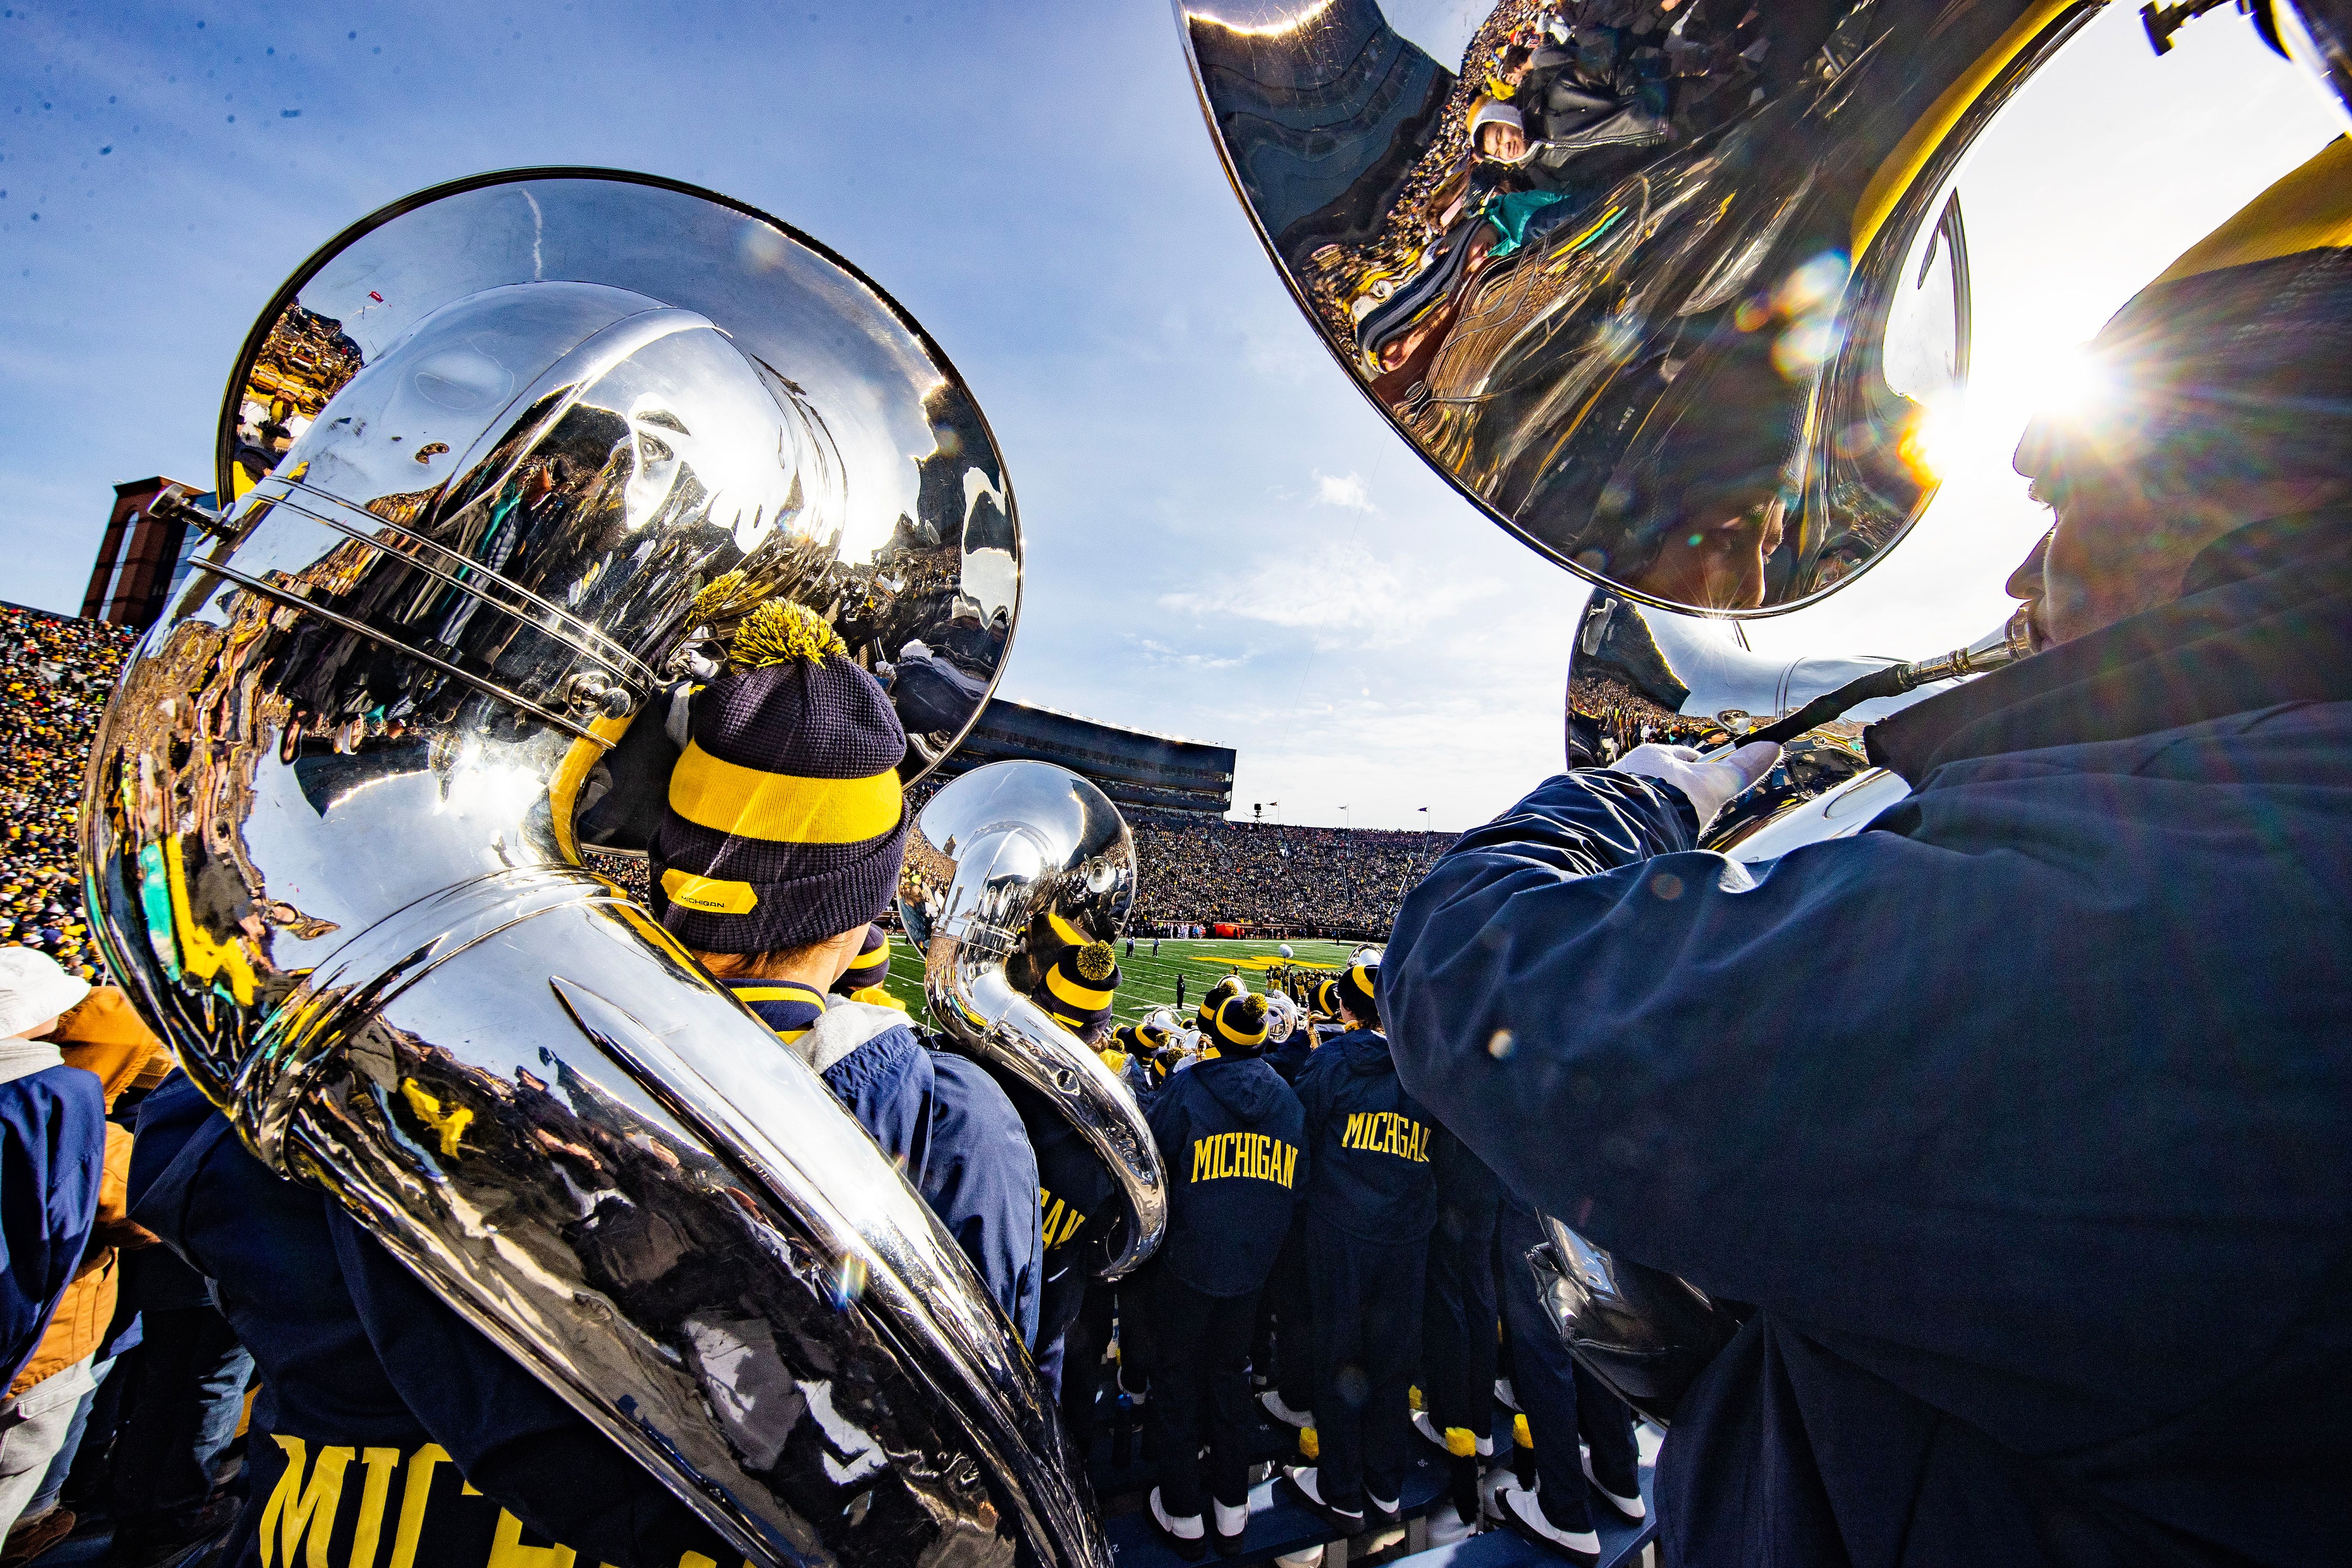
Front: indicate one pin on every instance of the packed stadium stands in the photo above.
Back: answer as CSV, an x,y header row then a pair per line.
x,y
1194,868
1267,878
1273,878
54,674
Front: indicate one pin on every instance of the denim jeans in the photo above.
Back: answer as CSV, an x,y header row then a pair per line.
x,y
181,1414
33,1426
54,1482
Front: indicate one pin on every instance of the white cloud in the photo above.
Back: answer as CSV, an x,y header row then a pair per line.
x,y
1342,490
1163,657
1385,602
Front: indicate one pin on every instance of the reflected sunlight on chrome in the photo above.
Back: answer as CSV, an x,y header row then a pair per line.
x,y
2085,188
1975,434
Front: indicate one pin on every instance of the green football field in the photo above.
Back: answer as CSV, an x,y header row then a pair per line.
x,y
1146,981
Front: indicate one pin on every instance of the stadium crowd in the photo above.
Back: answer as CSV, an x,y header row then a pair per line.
x,y
1268,877
55,674
1609,718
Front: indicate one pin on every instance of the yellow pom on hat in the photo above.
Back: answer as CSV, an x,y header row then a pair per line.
x,y
1096,962
724,596
778,631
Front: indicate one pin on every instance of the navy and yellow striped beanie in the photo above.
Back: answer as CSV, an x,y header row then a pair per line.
x,y
1239,1028
870,968
1229,985
1360,987
1078,986
786,824
1327,998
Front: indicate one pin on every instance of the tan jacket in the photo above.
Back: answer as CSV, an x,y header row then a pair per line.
x,y
104,1037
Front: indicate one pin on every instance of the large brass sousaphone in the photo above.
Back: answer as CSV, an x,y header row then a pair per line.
x,y
507,459
1676,292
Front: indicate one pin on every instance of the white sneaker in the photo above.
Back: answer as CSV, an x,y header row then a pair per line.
x,y
1633,1508
1528,1513
1185,1533
1272,1401
1231,1525
1503,1391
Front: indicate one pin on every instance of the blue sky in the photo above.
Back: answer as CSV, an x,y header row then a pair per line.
x,y
1223,540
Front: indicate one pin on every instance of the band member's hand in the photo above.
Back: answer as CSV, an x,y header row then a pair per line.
x,y
1709,782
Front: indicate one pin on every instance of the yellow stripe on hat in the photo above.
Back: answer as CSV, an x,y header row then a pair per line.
x,y
2308,209
1064,929
1076,992
780,808
711,895
1238,1036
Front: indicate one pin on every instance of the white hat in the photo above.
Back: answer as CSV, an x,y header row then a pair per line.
x,y
33,990
1489,112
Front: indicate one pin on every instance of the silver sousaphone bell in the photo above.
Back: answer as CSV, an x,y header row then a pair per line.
x,y
485,452
1008,866
1679,295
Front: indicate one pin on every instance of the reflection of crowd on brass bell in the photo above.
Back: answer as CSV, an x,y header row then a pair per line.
x,y
1593,273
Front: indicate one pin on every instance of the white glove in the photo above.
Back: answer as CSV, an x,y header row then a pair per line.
x,y
1709,782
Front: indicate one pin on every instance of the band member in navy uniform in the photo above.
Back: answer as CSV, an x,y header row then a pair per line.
x,y
1581,1434
391,1431
1287,1315
1371,1199
1978,1105
1227,985
1288,1060
1326,1021
1230,1133
387,1429
1076,1193
782,843
1459,1317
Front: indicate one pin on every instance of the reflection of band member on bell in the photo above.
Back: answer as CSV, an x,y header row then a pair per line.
x,y
1704,531
783,843
2021,1117
1075,1188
